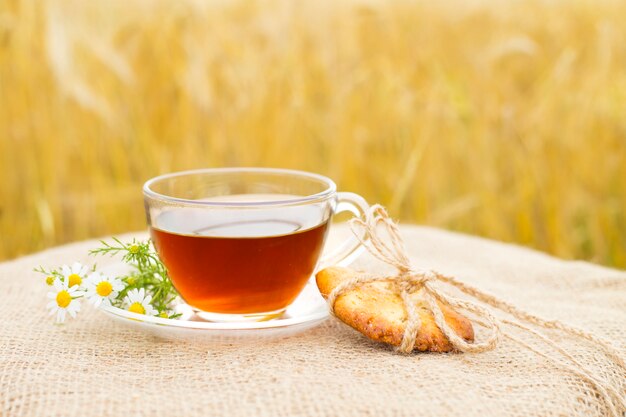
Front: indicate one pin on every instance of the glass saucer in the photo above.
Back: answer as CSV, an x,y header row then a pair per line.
x,y
307,311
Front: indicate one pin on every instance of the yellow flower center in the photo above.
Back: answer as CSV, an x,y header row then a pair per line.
x,y
50,280
63,299
133,249
163,315
74,279
137,308
104,288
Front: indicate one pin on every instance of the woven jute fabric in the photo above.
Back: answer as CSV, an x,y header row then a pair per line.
x,y
93,366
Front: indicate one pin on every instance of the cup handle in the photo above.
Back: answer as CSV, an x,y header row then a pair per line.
x,y
349,250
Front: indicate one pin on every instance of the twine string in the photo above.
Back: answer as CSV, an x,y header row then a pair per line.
x,y
389,248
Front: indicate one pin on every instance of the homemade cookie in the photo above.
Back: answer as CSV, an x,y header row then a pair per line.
x,y
376,311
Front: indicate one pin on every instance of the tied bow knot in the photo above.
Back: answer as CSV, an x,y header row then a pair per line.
x,y
389,248
413,281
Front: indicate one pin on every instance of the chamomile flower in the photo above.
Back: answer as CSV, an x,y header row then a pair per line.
x,y
138,302
74,275
64,300
100,289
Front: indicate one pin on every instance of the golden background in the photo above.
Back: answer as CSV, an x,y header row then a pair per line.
x,y
502,119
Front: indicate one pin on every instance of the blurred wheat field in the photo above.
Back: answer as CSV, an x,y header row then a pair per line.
x,y
502,119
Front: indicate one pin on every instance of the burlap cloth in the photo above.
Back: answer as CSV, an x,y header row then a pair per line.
x,y
93,366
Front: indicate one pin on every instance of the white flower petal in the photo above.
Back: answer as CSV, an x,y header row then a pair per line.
x,y
59,286
93,278
76,268
61,315
136,295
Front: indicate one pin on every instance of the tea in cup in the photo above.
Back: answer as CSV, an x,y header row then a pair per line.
x,y
241,243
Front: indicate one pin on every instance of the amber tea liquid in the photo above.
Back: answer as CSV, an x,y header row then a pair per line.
x,y
238,266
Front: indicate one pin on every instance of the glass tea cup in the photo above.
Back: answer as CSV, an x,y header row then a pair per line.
x,y
240,244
